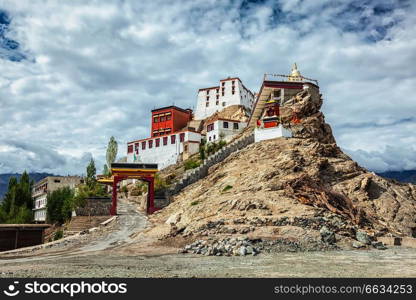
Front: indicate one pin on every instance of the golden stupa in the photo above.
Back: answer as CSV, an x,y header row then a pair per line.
x,y
295,75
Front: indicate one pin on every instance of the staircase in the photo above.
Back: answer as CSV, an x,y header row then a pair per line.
x,y
81,223
202,171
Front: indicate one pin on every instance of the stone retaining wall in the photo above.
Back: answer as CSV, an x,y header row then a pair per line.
x,y
200,172
95,206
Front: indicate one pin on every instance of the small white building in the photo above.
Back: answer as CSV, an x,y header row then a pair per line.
x,y
165,150
224,129
231,91
261,134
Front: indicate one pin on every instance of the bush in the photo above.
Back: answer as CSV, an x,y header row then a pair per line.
x,y
124,190
160,183
227,188
194,203
83,192
58,235
191,164
59,205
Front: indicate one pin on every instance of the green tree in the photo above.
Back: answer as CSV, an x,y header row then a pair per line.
x,y
202,149
59,205
91,181
106,172
111,154
17,202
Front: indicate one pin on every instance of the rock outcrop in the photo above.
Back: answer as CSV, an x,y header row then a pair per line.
x,y
290,188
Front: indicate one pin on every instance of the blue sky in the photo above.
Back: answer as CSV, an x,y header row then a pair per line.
x,y
74,73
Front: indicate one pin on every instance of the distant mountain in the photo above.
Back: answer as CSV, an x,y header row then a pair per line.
x,y
4,180
402,176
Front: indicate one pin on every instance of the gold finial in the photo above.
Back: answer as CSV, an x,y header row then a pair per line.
x,y
295,74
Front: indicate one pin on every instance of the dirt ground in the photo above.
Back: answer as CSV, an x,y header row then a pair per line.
x,y
394,262
124,250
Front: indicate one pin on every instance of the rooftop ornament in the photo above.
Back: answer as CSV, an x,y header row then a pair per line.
x,y
295,76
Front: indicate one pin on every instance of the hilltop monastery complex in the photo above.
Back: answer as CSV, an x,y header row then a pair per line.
x,y
177,133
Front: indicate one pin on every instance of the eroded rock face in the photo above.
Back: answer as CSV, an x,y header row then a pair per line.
x,y
300,178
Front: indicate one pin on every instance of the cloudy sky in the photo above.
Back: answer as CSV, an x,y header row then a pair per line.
x,y
74,73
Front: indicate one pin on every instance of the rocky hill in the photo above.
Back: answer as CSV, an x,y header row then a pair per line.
x,y
301,191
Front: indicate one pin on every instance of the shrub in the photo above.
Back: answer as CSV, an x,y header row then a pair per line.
x,y
58,235
191,164
227,188
194,203
59,205
160,183
124,190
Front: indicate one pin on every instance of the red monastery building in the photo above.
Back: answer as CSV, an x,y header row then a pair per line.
x,y
171,138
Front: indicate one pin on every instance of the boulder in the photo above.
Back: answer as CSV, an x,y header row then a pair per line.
x,y
327,235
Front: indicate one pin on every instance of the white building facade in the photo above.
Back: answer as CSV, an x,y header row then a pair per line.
x,y
262,134
164,150
46,185
231,91
223,129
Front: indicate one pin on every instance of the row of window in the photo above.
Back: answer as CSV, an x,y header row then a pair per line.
x,y
162,131
216,103
210,127
149,143
223,87
40,214
40,203
157,119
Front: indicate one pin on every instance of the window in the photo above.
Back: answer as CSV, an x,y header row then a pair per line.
x,y
156,134
182,137
225,125
218,90
168,130
165,141
155,119
207,98
157,142
218,96
210,127
232,92
186,148
217,102
207,104
223,104
168,117
207,93
235,125
223,84
172,139
150,144
233,82
276,93
162,119
129,148
143,145
214,137
210,139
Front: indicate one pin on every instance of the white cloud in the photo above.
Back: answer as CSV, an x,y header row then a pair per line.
x,y
97,68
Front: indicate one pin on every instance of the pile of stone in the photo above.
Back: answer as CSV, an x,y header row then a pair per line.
x,y
225,247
